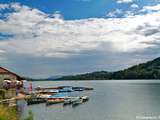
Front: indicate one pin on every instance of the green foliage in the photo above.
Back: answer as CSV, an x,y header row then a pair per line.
x,y
2,93
149,70
8,113
30,116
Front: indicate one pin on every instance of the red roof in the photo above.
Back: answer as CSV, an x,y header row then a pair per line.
x,y
5,71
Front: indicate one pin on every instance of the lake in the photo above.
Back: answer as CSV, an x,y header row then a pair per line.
x,y
110,100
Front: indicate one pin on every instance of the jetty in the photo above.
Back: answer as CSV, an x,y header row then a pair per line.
x,y
65,88
54,95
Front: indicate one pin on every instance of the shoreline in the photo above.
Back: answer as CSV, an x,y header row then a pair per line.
x,y
95,80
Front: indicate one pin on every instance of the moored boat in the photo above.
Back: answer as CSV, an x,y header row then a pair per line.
x,y
84,98
54,101
77,102
64,88
58,98
70,100
48,92
35,101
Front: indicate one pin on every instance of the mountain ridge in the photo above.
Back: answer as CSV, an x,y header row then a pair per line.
x,y
148,70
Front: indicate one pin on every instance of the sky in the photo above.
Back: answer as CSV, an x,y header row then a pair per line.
x,y
42,38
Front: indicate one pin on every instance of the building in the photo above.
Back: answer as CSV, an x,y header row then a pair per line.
x,y
10,81
8,76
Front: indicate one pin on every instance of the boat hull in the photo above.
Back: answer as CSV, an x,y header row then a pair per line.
x,y
35,101
54,101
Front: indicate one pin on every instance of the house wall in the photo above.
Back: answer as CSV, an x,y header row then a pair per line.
x,y
6,76
10,92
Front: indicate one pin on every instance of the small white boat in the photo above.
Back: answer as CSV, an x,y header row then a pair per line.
x,y
75,103
70,100
58,98
44,96
84,98
75,100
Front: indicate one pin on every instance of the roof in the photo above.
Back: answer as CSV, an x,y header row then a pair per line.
x,y
5,71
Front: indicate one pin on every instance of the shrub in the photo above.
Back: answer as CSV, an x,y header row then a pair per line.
x,y
8,113
2,93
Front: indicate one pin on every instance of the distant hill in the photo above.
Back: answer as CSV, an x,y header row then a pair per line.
x,y
54,77
148,70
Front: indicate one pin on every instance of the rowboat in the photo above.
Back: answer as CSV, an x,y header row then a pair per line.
x,y
35,101
54,99
76,103
75,100
70,100
84,98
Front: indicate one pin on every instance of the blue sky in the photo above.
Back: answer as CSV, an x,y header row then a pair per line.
x,y
72,9
40,38
80,9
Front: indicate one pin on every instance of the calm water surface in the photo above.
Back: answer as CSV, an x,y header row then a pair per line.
x,y
110,100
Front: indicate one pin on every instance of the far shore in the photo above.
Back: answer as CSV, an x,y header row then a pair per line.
x,y
94,80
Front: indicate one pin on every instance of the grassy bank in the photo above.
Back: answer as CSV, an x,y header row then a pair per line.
x,y
8,113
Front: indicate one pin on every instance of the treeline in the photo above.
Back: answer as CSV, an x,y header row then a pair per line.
x,y
35,79
149,70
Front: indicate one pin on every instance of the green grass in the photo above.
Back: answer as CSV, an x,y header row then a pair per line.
x,y
8,113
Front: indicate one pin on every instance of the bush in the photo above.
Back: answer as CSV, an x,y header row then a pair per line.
x,y
8,113
2,93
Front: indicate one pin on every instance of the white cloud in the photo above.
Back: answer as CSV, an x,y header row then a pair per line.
x,y
154,8
39,34
115,13
134,6
125,1
4,6
57,15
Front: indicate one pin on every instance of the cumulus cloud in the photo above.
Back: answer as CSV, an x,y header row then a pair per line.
x,y
36,33
115,13
125,1
125,13
134,6
4,6
151,8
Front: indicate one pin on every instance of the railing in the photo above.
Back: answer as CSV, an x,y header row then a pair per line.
x,y
9,102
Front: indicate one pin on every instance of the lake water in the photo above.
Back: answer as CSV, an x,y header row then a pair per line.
x,y
110,100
